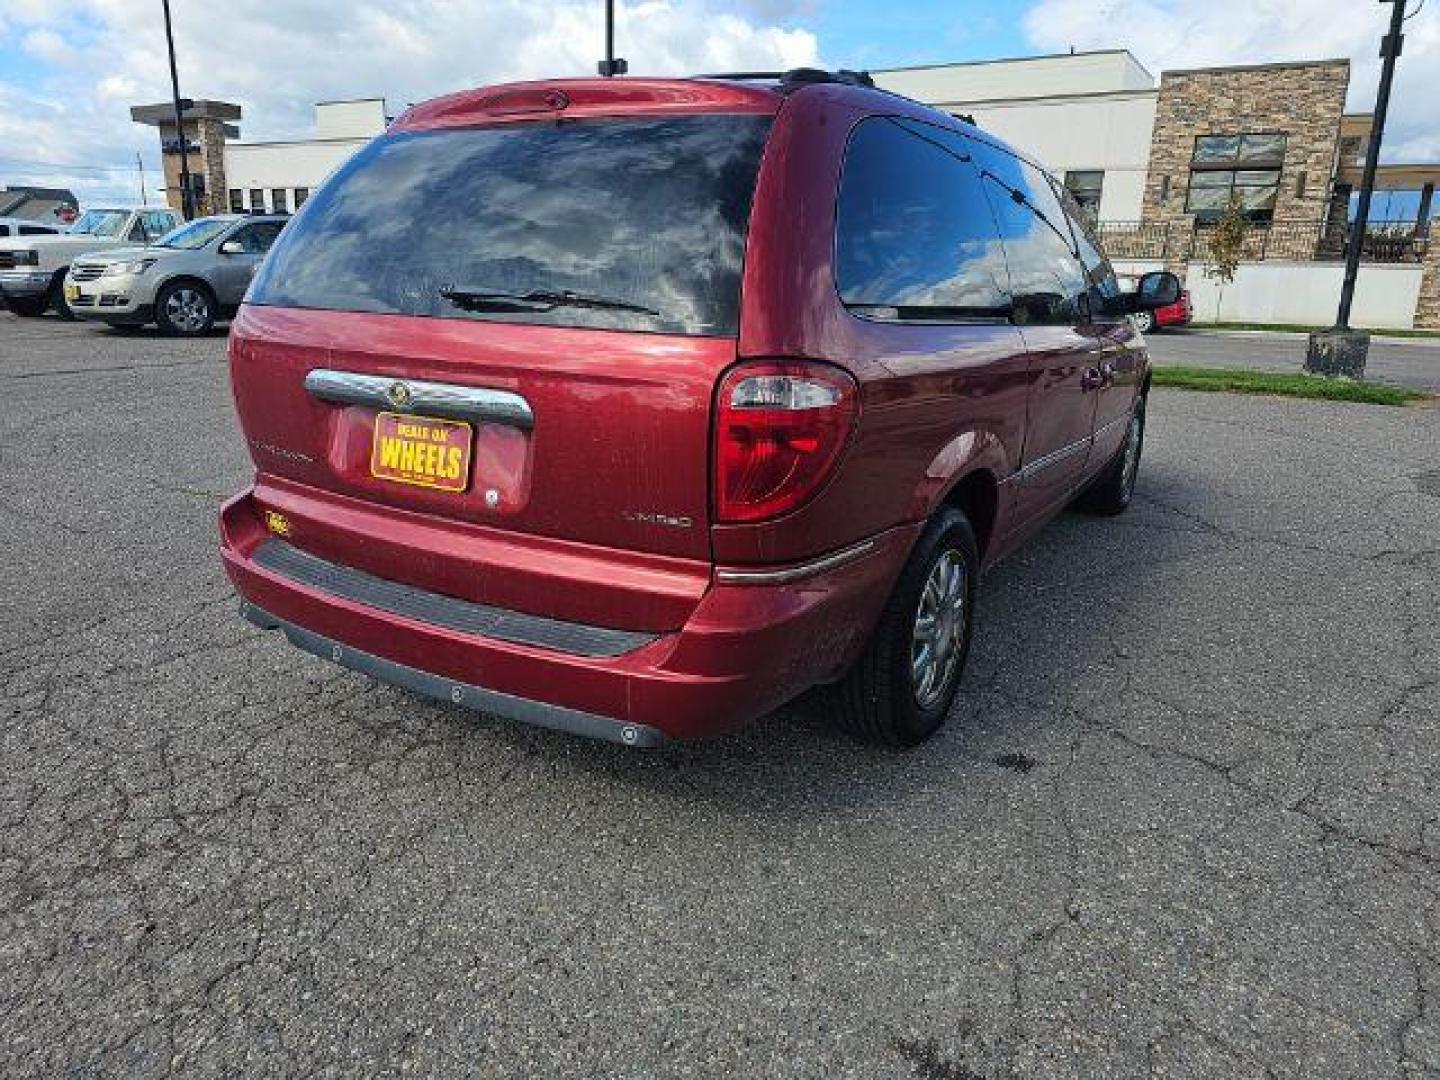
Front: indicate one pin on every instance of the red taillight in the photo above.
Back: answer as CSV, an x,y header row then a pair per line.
x,y
779,428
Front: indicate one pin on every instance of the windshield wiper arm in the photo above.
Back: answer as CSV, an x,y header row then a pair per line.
x,y
475,299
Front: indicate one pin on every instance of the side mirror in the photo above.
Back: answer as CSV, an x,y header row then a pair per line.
x,y
1156,290
232,247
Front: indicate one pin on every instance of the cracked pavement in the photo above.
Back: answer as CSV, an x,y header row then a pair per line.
x,y
1184,822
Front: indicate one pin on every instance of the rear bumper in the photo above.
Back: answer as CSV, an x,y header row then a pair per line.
x,y
758,637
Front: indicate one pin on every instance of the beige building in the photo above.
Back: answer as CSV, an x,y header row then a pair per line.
x,y
259,177
277,177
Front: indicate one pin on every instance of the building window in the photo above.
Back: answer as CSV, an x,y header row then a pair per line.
x,y
278,201
1247,166
301,194
257,200
1085,188
237,201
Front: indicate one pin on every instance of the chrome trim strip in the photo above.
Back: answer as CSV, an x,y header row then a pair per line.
x,y
1125,419
786,574
525,710
426,398
1054,458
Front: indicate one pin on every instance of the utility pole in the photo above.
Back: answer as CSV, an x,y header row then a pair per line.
x,y
187,194
611,65
1341,350
140,171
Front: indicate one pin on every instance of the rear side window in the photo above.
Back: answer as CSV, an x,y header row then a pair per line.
x,y
1046,277
914,236
641,220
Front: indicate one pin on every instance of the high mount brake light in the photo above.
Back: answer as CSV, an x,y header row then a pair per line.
x,y
779,429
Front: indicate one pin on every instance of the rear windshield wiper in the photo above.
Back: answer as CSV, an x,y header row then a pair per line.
x,y
475,299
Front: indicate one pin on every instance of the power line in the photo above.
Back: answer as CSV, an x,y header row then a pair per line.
x,y
70,166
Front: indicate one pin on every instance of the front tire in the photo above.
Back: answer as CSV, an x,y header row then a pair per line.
x,y
184,309
56,297
901,689
1112,492
27,307
1145,322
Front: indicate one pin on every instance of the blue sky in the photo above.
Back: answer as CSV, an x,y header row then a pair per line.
x,y
861,34
69,69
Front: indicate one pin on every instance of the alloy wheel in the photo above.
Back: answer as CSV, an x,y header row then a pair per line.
x,y
188,310
1130,466
939,631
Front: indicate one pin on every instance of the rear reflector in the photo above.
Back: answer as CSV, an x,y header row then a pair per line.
x,y
779,429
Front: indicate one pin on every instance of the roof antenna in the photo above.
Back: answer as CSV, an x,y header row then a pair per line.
x,y
612,64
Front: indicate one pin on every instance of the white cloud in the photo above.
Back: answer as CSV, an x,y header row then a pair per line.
x,y
1194,33
48,45
101,56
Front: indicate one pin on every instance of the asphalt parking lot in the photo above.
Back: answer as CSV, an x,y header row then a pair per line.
x,y
1185,821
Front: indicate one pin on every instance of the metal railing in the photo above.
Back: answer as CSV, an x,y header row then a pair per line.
x,y
1400,241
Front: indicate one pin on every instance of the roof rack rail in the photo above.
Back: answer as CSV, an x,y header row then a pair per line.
x,y
796,77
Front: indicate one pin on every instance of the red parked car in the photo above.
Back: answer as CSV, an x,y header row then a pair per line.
x,y
637,407
1147,322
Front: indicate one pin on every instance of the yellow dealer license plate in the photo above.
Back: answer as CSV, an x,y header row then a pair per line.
x,y
72,292
420,451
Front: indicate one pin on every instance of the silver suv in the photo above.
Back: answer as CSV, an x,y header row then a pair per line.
x,y
183,282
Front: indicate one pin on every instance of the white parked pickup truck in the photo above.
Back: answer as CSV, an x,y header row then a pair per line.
x,y
32,268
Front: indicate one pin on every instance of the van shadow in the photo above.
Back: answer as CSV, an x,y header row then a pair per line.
x,y
1057,622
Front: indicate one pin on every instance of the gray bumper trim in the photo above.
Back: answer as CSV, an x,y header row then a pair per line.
x,y
464,616
526,711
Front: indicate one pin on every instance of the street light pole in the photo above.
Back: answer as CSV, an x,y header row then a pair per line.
x,y
187,194
1341,350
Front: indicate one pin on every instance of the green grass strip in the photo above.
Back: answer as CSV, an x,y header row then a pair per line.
x,y
1230,381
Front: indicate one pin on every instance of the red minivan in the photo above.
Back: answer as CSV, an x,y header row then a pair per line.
x,y
637,407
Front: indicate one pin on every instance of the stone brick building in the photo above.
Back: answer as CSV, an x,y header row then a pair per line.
x,y
207,125
1268,134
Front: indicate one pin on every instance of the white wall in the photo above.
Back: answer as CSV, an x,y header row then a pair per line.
x,y
1305,294
360,119
1024,77
287,164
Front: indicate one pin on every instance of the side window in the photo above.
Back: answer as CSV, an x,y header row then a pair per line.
x,y
1103,285
256,239
158,223
1046,278
914,236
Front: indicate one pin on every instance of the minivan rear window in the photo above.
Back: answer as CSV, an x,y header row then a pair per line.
x,y
627,224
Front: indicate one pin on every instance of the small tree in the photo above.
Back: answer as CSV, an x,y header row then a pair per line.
x,y
1225,246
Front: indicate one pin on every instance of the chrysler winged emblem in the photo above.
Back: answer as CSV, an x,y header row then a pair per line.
x,y
399,395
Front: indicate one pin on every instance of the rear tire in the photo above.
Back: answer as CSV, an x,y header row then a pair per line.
x,y
886,697
1112,492
56,297
27,307
184,309
1145,322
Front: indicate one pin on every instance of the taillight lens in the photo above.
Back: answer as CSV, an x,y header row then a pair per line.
x,y
779,428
